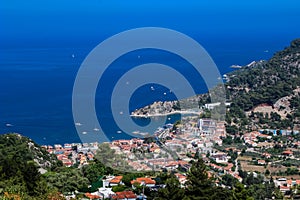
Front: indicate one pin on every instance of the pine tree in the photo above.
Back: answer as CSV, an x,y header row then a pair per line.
x,y
198,184
172,191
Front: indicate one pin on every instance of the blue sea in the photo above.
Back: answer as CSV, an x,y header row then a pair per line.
x,y
37,82
43,43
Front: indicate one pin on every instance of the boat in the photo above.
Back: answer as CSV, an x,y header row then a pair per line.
x,y
78,124
119,131
9,125
140,133
144,134
236,66
135,132
96,129
84,132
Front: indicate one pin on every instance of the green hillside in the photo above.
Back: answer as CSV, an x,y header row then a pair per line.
x,y
266,82
20,162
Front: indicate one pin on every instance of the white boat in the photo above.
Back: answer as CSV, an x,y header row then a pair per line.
x,y
144,133
78,124
236,66
84,132
140,133
119,131
135,132
96,129
9,125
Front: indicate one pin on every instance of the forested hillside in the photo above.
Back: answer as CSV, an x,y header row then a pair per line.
x,y
21,160
265,83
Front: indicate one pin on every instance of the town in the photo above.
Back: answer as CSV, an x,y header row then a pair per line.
x,y
271,154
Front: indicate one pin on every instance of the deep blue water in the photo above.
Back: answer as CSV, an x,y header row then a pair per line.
x,y
38,39
36,86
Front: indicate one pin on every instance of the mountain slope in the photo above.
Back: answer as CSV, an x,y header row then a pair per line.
x,y
23,149
266,83
20,161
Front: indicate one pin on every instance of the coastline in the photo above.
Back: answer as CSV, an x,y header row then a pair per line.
x,y
184,112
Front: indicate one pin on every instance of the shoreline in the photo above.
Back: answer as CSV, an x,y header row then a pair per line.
x,y
166,114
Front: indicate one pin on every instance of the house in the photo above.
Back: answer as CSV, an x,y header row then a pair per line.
x,y
266,155
181,178
287,153
240,179
171,165
117,180
228,167
219,158
218,141
284,189
216,167
105,192
211,106
291,182
92,196
148,182
261,162
57,146
125,195
111,181
280,182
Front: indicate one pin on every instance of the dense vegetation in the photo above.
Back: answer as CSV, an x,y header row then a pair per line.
x,y
20,178
265,82
21,160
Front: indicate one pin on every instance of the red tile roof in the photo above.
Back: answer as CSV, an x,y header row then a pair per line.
x,y
116,180
287,152
90,196
125,194
143,180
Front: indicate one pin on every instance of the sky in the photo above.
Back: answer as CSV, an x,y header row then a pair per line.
x,y
29,21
